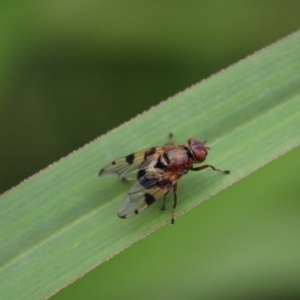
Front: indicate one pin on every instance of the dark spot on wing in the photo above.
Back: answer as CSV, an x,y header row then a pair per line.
x,y
141,173
149,153
129,158
150,182
149,199
136,211
113,162
164,183
146,181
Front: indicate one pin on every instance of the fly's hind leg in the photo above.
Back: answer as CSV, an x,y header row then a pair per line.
x,y
164,202
174,204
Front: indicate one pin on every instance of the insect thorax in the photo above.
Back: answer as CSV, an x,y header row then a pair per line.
x,y
177,158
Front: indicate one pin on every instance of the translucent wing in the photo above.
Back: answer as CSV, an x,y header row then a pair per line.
x,y
133,162
144,192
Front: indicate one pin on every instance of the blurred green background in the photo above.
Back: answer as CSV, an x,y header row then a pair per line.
x,y
73,70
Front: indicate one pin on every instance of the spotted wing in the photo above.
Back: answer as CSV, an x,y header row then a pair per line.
x,y
132,163
150,187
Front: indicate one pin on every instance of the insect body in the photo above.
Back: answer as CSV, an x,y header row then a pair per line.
x,y
157,171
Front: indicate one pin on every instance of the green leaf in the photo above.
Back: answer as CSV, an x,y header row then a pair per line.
x,y
61,223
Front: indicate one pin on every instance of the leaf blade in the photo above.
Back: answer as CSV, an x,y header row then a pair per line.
x,y
62,222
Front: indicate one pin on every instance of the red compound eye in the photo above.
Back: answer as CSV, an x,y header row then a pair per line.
x,y
199,150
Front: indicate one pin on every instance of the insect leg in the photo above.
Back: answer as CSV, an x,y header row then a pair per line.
x,y
209,166
171,136
164,203
175,203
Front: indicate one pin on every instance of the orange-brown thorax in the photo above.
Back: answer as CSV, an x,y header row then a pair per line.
x,y
179,159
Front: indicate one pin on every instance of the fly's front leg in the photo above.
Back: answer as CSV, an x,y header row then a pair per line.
x,y
209,166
